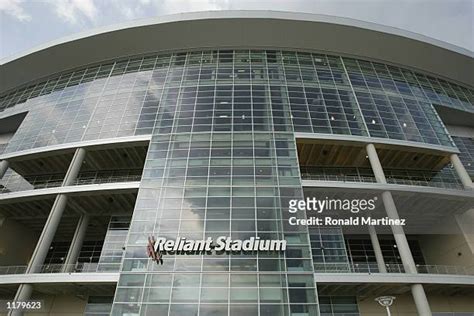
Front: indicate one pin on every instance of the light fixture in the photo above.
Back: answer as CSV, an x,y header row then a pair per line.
x,y
386,301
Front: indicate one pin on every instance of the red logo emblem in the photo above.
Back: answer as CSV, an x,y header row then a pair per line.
x,y
150,250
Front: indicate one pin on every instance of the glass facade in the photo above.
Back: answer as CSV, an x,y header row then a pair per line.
x,y
466,148
90,252
361,251
218,178
313,92
223,161
114,242
328,249
98,306
338,306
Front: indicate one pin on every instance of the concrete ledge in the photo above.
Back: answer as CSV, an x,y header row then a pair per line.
x,y
116,141
72,190
98,277
468,194
363,140
393,278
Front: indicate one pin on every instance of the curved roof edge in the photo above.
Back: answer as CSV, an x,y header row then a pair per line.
x,y
245,29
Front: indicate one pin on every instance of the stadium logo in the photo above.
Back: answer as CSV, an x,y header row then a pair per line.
x,y
156,248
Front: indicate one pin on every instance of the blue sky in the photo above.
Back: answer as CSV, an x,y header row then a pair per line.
x,y
25,24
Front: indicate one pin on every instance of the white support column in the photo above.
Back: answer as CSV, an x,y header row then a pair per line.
x,y
74,166
52,223
375,163
461,172
22,294
3,168
399,234
421,302
47,235
377,250
76,243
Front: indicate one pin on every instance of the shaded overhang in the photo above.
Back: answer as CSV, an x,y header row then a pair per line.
x,y
367,285
241,29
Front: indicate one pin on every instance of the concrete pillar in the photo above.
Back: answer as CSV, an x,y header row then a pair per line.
x,y
76,244
377,250
47,235
421,302
399,234
461,171
74,166
49,229
3,168
22,294
419,296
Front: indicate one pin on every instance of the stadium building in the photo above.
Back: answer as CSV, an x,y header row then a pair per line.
x,y
210,124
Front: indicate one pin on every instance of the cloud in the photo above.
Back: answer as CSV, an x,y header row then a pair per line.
x,y
129,9
451,21
177,6
14,8
73,11
134,9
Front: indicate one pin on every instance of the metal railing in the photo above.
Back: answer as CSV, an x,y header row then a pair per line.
x,y
338,174
108,177
391,268
84,267
13,182
445,178
80,267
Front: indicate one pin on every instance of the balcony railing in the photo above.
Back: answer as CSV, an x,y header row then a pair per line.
x,y
337,174
445,178
108,176
63,268
391,268
13,182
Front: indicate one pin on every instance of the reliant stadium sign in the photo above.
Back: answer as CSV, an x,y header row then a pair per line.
x,y
222,243
158,247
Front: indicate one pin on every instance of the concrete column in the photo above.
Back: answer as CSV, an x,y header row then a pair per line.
x,y
49,229
3,168
375,163
74,166
47,235
421,302
461,171
419,296
399,234
377,250
22,294
76,244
